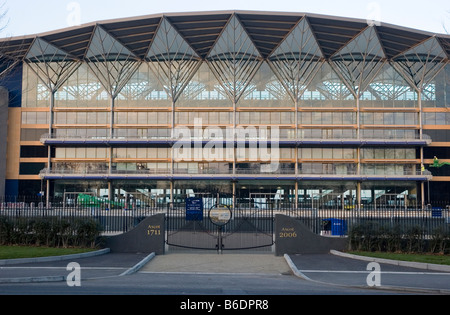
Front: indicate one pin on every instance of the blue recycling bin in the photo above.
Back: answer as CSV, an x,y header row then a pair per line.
x,y
338,226
436,213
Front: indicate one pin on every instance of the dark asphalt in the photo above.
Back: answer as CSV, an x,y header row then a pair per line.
x,y
320,269
337,270
108,265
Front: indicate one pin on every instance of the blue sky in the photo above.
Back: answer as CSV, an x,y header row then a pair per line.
x,y
30,17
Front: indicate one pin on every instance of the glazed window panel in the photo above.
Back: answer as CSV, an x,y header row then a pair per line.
x,y
286,153
102,153
327,118
389,169
305,153
35,118
152,153
388,153
143,90
60,118
157,118
436,93
265,118
71,153
60,153
120,153
82,89
389,89
338,153
349,153
203,91
327,90
442,118
265,90
34,92
327,153
132,118
287,118
214,118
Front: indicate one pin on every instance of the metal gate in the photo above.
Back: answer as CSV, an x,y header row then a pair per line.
x,y
249,227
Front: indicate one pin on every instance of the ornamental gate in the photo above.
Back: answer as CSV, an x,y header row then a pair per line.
x,y
210,222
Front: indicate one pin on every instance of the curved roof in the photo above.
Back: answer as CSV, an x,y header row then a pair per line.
x,y
201,30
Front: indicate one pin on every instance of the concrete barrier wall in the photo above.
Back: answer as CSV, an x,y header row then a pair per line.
x,y
292,237
147,237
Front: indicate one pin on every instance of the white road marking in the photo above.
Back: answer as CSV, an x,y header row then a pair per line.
x,y
382,272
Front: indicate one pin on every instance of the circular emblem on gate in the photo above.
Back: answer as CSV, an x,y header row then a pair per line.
x,y
220,215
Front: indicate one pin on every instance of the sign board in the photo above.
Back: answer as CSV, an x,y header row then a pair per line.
x,y
220,215
194,209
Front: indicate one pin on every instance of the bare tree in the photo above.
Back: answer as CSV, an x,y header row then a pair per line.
x,y
446,22
4,21
7,62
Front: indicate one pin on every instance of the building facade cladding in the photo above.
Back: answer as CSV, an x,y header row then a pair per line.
x,y
235,102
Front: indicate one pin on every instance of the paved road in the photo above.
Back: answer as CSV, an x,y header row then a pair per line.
x,y
221,275
336,270
102,266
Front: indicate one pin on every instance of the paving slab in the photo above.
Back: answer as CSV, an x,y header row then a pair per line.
x,y
215,263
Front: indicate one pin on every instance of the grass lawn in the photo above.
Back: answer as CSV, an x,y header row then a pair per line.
x,y
14,252
422,258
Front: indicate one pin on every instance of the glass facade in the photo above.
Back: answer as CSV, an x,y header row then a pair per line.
x,y
236,112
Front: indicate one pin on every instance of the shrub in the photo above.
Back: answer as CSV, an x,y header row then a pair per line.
x,y
394,239
415,239
440,241
49,231
371,237
87,232
6,230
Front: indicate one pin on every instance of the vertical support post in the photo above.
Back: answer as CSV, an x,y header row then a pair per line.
x,y
234,194
47,193
419,96
358,195
219,241
111,126
358,172
422,184
234,138
358,118
110,194
171,193
50,132
296,119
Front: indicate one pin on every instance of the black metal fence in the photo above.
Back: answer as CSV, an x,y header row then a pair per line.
x,y
322,218
112,220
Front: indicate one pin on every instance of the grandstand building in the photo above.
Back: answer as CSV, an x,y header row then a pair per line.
x,y
287,106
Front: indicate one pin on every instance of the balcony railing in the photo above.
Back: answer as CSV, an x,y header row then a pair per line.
x,y
166,173
54,139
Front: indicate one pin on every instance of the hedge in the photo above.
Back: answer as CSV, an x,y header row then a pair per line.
x,y
372,237
49,232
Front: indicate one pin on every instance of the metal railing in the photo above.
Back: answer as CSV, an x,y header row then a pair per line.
x,y
104,172
83,138
322,217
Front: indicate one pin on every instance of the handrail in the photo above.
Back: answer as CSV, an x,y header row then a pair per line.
x,y
47,171
47,137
